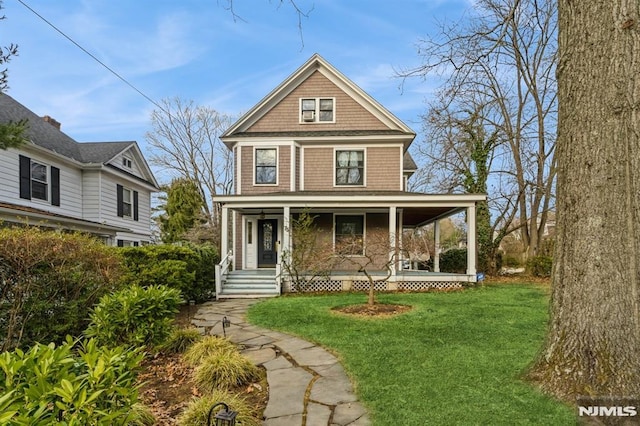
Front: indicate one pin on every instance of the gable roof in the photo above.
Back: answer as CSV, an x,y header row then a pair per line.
x,y
318,64
102,152
39,131
48,136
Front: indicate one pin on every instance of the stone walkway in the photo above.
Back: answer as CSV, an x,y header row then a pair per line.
x,y
307,385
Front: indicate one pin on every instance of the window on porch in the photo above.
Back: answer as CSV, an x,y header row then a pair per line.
x,y
349,234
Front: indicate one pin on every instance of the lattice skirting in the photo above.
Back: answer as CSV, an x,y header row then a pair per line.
x,y
328,285
315,286
431,285
363,285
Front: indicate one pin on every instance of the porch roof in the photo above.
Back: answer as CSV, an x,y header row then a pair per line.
x,y
418,208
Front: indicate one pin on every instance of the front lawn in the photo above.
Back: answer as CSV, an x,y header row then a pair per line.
x,y
456,358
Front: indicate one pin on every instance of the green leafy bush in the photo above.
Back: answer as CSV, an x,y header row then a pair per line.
x,y
191,269
48,283
181,339
454,260
135,316
540,266
197,411
90,385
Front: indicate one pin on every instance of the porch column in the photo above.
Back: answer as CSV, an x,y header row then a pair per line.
x,y
436,246
224,232
471,240
393,234
286,230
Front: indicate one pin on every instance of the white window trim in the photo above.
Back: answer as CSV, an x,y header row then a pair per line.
x,y
277,148
316,118
48,182
129,202
364,166
364,232
127,162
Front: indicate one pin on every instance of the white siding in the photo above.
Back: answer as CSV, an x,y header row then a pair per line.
x,y
70,183
109,212
9,177
135,168
91,195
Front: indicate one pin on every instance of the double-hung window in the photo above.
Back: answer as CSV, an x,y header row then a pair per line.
x,y
127,202
349,234
317,110
349,167
266,160
39,181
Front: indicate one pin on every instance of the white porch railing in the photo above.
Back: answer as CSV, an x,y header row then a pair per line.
x,y
222,269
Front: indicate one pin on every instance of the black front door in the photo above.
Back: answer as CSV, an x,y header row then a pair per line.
x,y
267,251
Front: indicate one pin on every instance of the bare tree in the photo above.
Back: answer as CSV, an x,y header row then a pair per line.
x,y
311,256
500,66
593,346
295,5
371,257
185,143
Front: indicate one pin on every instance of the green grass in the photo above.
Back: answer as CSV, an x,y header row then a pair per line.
x,y
455,359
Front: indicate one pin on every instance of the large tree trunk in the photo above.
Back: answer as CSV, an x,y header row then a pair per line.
x,y
593,347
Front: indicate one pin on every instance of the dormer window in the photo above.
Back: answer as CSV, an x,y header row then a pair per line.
x,y
317,110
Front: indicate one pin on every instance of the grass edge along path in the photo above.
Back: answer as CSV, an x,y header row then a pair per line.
x,y
454,359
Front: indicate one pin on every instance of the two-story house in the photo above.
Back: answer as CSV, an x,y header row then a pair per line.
x,y
319,143
100,188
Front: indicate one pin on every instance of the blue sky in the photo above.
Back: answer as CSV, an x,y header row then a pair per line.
x,y
195,50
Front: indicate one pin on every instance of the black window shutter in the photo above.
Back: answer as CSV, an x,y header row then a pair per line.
x,y
136,244
119,200
120,243
25,177
135,205
55,186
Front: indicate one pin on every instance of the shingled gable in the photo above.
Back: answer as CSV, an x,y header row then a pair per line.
x,y
319,69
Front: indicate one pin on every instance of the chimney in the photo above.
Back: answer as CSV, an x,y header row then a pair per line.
x,y
55,123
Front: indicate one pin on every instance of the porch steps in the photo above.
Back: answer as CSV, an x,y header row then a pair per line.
x,y
248,284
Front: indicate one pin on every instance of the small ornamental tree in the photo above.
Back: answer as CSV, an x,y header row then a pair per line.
x,y
373,254
311,257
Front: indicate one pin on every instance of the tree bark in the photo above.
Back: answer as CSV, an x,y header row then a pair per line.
x,y
593,346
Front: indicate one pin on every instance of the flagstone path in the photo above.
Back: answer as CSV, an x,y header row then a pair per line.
x,y
307,385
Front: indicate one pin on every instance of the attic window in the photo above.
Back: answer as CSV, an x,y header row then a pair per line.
x,y
317,110
126,162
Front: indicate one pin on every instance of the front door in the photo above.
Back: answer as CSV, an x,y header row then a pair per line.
x,y
267,235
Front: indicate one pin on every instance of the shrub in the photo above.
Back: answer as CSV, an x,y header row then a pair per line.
x,y
206,347
181,339
511,262
454,260
224,370
48,283
91,385
540,266
135,316
197,411
190,269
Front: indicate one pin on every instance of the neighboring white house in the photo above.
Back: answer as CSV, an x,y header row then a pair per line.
x,y
101,188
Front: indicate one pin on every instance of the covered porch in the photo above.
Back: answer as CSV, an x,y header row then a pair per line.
x,y
256,234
